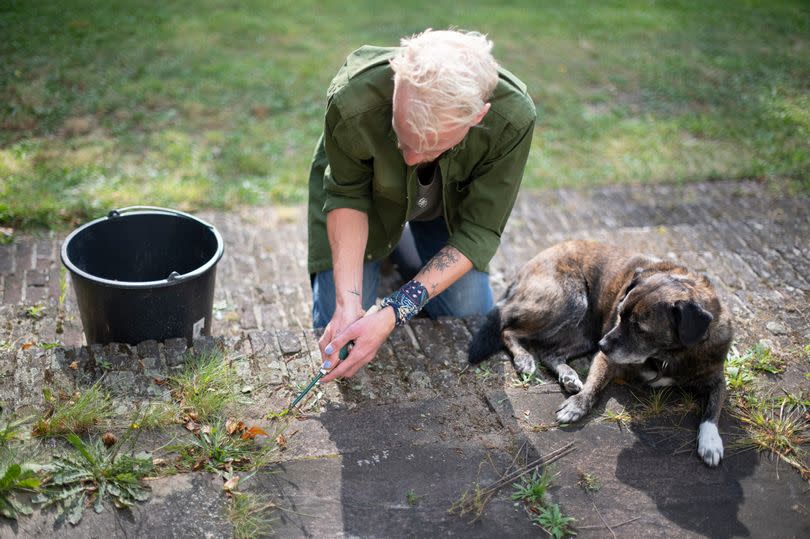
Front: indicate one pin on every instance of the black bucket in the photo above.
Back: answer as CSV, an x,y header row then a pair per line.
x,y
144,273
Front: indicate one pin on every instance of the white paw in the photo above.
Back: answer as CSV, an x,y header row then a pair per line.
x,y
524,364
710,446
571,382
572,409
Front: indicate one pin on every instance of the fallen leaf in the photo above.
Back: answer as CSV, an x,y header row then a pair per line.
x,y
74,365
281,441
192,426
252,432
230,484
193,415
27,345
158,462
109,439
206,429
233,425
159,381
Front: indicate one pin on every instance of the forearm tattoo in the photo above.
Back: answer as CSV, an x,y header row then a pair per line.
x,y
442,260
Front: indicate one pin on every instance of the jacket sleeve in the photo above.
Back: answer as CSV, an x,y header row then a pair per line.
x,y
493,189
347,179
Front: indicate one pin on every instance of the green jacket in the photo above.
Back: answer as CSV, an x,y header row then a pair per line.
x,y
357,164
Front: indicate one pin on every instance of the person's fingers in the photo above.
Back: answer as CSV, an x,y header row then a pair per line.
x,y
337,372
339,341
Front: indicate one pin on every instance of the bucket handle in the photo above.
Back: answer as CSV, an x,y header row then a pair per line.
x,y
119,211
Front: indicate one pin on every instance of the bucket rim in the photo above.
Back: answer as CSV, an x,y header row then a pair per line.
x,y
135,285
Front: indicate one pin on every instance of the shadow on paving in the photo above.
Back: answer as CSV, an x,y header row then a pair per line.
x,y
398,470
653,484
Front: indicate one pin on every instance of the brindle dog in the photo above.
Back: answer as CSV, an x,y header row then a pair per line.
x,y
638,315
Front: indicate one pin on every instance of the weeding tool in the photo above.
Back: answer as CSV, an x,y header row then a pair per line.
x,y
342,354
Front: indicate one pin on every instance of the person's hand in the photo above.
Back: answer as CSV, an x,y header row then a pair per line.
x,y
368,334
343,318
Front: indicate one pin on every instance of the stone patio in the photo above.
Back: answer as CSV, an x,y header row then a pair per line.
x,y
417,419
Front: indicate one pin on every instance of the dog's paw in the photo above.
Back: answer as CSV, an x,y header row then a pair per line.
x,y
525,364
573,408
710,446
571,382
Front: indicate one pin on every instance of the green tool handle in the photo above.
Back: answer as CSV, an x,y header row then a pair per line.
x,y
306,389
342,354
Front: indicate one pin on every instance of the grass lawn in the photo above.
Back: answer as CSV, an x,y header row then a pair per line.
x,y
219,103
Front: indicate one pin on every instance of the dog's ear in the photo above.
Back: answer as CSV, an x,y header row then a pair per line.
x,y
634,280
691,322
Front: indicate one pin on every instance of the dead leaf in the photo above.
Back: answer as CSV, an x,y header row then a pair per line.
x,y
206,429
281,441
252,432
27,345
159,381
192,415
74,365
230,484
232,425
192,426
158,462
109,439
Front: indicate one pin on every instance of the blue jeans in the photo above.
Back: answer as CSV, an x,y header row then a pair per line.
x,y
471,294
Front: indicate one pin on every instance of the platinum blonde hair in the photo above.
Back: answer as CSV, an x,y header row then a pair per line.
x,y
452,74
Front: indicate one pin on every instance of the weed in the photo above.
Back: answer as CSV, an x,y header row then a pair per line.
x,y
484,372
249,514
588,481
655,403
739,372
781,431
473,500
686,403
16,478
763,360
76,414
206,385
11,430
621,418
533,489
104,364
553,522
213,449
155,415
526,380
92,473
36,312
412,498
49,345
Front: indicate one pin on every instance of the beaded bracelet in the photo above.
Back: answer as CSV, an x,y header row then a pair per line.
x,y
407,301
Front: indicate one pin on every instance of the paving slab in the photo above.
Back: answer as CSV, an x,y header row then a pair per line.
x,y
418,419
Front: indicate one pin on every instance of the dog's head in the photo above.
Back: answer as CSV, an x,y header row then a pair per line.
x,y
661,312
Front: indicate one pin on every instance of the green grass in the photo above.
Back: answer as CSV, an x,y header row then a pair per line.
x,y
211,104
250,515
205,388
77,413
